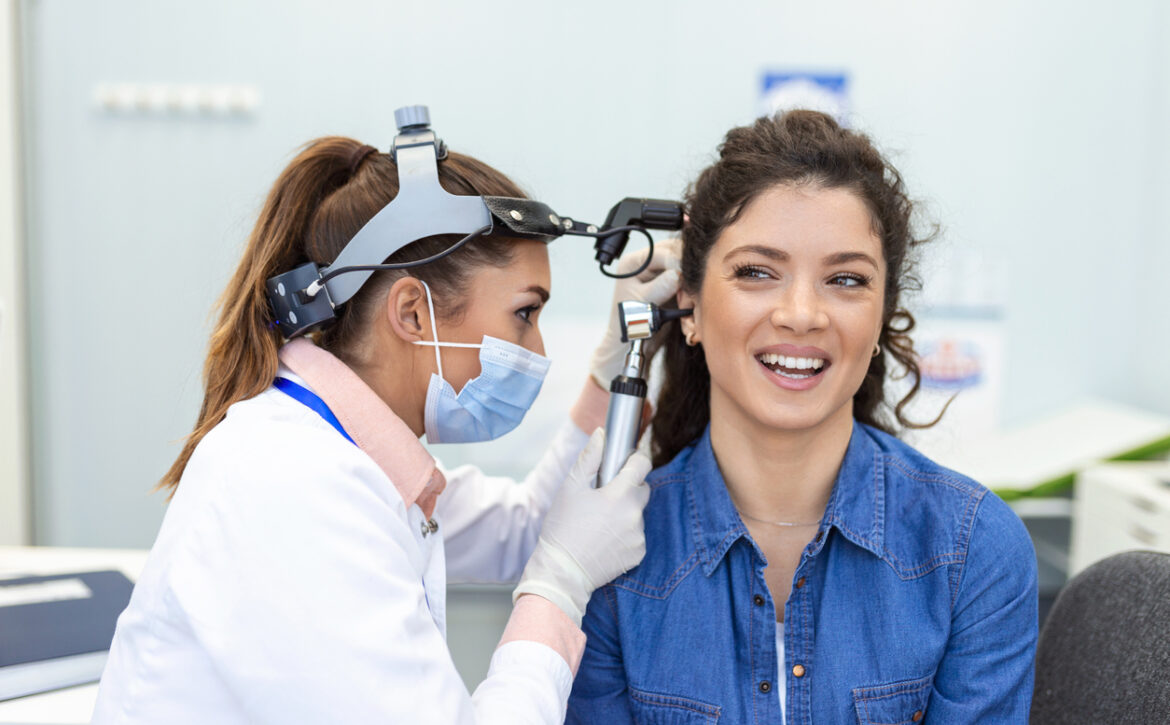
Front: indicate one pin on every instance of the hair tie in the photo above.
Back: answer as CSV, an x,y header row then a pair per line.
x,y
359,155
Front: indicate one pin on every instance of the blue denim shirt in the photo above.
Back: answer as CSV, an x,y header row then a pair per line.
x,y
915,602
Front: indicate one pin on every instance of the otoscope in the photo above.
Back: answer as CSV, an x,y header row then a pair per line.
x,y
627,391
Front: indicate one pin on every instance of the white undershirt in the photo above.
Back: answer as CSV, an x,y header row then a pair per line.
x,y
782,680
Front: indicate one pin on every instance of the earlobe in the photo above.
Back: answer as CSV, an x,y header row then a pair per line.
x,y
406,310
689,324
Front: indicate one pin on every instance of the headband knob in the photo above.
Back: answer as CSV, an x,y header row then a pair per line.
x,y
412,118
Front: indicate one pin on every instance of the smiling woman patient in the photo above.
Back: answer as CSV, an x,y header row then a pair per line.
x,y
803,564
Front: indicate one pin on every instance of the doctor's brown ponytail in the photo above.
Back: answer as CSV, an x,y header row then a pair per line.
x,y
320,201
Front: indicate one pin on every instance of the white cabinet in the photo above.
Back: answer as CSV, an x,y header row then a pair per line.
x,y
1119,507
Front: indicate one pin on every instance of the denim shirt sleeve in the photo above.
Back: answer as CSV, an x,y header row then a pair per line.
x,y
600,692
986,672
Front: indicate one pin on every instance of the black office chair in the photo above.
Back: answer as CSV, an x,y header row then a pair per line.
x,y
1104,652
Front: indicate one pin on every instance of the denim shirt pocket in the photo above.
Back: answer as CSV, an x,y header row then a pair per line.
x,y
896,703
652,708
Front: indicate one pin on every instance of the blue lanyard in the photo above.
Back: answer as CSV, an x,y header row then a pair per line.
x,y
309,398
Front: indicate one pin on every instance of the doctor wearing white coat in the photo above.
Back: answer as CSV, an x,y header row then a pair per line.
x,y
299,575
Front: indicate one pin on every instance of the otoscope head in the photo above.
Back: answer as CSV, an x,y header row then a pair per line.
x,y
641,320
627,391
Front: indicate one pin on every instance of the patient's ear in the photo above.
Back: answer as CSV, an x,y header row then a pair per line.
x,y
407,312
693,323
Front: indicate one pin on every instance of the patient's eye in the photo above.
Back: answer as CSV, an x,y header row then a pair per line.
x,y
751,271
849,279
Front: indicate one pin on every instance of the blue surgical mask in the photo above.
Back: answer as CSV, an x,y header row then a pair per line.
x,y
490,404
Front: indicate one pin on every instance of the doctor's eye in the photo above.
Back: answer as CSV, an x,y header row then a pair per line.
x,y
526,313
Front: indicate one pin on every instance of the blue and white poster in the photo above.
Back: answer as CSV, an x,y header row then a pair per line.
x,y
786,90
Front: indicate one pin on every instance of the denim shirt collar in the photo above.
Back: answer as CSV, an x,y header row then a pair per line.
x,y
855,506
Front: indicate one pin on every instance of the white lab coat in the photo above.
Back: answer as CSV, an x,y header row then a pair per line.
x,y
290,584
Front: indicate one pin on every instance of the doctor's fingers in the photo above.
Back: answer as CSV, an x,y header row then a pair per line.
x,y
663,288
625,527
630,482
667,255
589,462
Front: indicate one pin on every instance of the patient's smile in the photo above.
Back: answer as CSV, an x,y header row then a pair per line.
x,y
797,368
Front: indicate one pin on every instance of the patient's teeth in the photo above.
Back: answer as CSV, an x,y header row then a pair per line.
x,y
792,363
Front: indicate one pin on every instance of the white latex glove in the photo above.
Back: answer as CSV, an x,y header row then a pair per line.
x,y
656,284
589,535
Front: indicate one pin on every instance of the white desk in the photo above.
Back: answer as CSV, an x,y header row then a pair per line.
x,y
1051,449
73,705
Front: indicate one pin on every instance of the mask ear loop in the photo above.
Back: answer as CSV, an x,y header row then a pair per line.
x,y
435,331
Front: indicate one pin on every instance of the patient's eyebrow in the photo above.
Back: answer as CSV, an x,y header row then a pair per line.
x,y
846,257
763,250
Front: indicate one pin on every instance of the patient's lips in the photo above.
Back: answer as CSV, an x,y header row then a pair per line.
x,y
794,367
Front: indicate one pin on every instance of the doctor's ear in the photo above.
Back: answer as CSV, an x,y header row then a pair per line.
x,y
407,310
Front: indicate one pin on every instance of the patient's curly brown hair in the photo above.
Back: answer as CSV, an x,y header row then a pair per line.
x,y
798,147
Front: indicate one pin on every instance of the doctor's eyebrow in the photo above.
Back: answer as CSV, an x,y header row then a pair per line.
x,y
539,291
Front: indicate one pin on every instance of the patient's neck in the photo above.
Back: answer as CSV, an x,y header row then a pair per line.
x,y
778,474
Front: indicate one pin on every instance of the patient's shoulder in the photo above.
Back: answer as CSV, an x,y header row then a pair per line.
x,y
670,546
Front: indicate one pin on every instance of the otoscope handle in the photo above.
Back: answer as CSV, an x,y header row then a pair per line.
x,y
623,422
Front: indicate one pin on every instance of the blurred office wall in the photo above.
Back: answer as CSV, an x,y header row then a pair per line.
x,y
14,489
1152,342
1034,132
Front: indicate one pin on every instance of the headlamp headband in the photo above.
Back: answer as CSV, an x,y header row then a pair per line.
x,y
305,298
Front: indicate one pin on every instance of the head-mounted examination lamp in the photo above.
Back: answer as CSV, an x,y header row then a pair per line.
x,y
306,297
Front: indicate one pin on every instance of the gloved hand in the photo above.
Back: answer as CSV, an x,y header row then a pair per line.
x,y
656,284
589,535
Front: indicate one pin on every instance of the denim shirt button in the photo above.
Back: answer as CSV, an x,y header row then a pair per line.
x,y
800,582
758,600
798,670
765,687
820,535
917,716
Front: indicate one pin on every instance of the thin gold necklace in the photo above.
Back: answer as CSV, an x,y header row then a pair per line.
x,y
778,523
